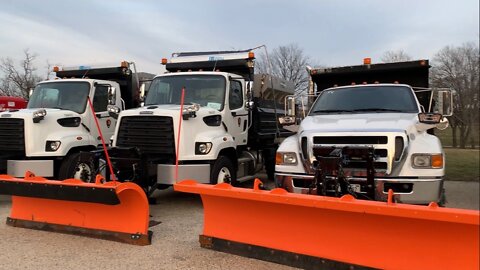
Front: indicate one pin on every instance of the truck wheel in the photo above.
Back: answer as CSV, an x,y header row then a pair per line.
x,y
270,169
269,158
223,171
72,167
443,199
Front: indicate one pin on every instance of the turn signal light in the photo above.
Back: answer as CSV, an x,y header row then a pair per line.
x,y
437,161
367,61
251,55
56,69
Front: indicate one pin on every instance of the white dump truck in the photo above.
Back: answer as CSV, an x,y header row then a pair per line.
x,y
369,130
229,128
47,137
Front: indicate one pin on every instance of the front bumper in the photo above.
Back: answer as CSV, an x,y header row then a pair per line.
x,y
420,191
18,168
166,173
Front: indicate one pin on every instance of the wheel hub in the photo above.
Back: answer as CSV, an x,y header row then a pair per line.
x,y
224,176
83,172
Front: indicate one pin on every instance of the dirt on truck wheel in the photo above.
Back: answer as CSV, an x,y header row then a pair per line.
x,y
223,171
74,167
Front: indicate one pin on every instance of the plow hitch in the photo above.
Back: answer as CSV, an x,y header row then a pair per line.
x,y
331,178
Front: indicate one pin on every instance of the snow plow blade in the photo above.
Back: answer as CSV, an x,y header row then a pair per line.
x,y
112,211
317,232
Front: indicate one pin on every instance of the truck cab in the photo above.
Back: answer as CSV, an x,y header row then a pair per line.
x,y
47,137
209,118
369,137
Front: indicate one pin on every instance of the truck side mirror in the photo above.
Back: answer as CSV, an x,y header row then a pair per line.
x,y
442,102
113,111
142,93
290,106
287,120
430,118
111,95
249,105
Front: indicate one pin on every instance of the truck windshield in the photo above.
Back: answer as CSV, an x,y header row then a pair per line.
x,y
366,99
61,95
206,90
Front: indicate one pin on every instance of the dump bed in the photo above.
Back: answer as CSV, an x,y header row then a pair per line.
x,y
123,75
413,73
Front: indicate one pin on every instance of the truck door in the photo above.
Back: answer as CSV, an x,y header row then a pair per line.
x,y
236,117
100,103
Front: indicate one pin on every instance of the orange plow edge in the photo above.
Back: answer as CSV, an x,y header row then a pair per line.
x,y
335,233
113,210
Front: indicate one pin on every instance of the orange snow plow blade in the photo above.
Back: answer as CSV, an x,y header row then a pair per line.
x,y
113,210
335,233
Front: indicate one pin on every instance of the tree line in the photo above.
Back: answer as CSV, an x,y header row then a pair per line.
x,y
455,67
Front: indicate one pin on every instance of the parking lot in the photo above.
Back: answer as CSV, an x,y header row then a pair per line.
x,y
174,245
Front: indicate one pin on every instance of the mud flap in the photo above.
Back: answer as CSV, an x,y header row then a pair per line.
x,y
343,231
113,210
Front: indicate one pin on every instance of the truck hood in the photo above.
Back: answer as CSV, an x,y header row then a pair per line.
x,y
28,113
371,122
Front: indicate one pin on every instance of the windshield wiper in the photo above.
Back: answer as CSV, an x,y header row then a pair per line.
x,y
377,110
331,111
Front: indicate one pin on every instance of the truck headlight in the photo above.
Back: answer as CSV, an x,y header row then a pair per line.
x,y
39,115
203,148
427,161
286,158
52,146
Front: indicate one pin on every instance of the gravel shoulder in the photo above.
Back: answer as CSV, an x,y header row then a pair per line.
x,y
174,245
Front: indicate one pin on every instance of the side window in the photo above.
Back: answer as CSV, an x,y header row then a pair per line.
x,y
235,98
100,99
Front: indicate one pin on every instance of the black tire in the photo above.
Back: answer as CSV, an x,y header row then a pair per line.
x,y
163,186
270,169
269,159
443,199
72,168
223,166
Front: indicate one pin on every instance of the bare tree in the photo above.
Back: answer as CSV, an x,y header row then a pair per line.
x,y
17,81
458,68
287,62
395,56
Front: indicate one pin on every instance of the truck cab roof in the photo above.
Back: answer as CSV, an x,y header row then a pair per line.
x,y
75,80
371,85
237,62
221,73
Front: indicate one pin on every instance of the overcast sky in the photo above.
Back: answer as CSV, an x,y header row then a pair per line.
x,y
331,32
